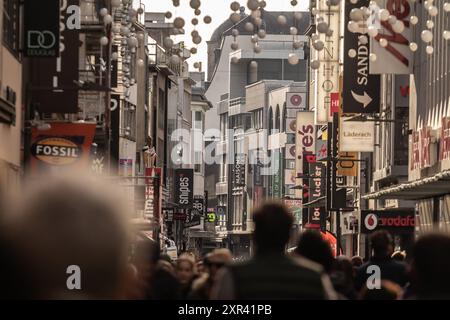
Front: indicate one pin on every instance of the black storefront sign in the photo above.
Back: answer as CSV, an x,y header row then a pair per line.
x,y
41,29
395,221
114,68
239,170
168,214
115,128
199,205
184,188
54,81
317,215
193,218
308,158
361,92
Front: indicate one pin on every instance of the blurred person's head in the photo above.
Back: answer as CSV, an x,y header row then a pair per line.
x,y
388,291
273,222
431,265
357,261
68,230
185,268
217,259
201,267
382,243
145,258
314,247
399,256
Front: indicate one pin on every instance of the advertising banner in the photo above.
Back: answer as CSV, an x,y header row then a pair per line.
x,y
357,136
305,142
64,146
394,221
184,188
327,76
239,170
361,92
41,29
317,215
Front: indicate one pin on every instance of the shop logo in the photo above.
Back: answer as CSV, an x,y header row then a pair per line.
x,y
371,221
56,151
41,39
296,100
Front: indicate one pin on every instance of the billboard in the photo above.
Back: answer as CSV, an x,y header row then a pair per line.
x,y
394,221
357,136
327,75
64,146
184,188
361,92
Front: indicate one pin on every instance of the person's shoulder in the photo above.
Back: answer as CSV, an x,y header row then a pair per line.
x,y
306,264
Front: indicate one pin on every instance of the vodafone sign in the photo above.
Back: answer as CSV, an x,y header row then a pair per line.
x,y
395,221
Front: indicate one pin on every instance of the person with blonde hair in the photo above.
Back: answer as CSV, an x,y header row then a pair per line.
x,y
186,272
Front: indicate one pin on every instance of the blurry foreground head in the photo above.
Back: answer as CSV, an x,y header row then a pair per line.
x,y
273,223
73,236
314,247
382,243
431,266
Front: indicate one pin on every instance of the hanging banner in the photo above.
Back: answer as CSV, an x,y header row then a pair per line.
x,y
305,143
327,75
239,170
348,167
396,57
41,29
184,188
361,92
65,146
357,136
317,215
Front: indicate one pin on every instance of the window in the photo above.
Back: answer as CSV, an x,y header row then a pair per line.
x,y
198,120
11,32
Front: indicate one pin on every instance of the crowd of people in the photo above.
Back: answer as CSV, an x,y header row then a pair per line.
x,y
64,224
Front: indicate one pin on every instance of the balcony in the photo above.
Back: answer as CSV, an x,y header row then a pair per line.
x,y
223,107
160,58
236,106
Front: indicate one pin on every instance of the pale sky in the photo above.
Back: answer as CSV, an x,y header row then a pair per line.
x,y
219,10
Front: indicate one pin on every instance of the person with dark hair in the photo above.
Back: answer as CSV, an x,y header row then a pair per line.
x,y
431,267
271,274
388,291
313,246
342,278
357,261
382,246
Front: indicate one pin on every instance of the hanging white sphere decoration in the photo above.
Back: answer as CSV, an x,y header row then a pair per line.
x,y
125,31
356,14
234,60
194,21
372,31
293,31
254,38
315,64
414,20
115,3
353,1
107,19
446,35
103,12
318,45
398,26
235,32
352,53
447,7
104,41
197,40
293,59
433,11
294,3
235,17
207,19
114,56
116,29
132,42
252,4
383,42
179,23
234,6
249,27
141,36
392,19
195,4
262,4
168,15
384,14
234,46
140,63
373,57
427,4
196,65
262,33
322,27
427,36
282,20
315,37
253,65
140,10
298,15
168,43
353,26
363,40
314,11
429,50
257,48
193,50
413,46
197,12
430,24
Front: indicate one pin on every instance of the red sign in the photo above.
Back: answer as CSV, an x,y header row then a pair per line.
x,y
444,147
425,140
335,102
64,146
415,154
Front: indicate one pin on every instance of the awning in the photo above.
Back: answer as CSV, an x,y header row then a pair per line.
x,y
433,186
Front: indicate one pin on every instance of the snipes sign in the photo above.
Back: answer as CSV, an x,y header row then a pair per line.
x,y
395,221
65,145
